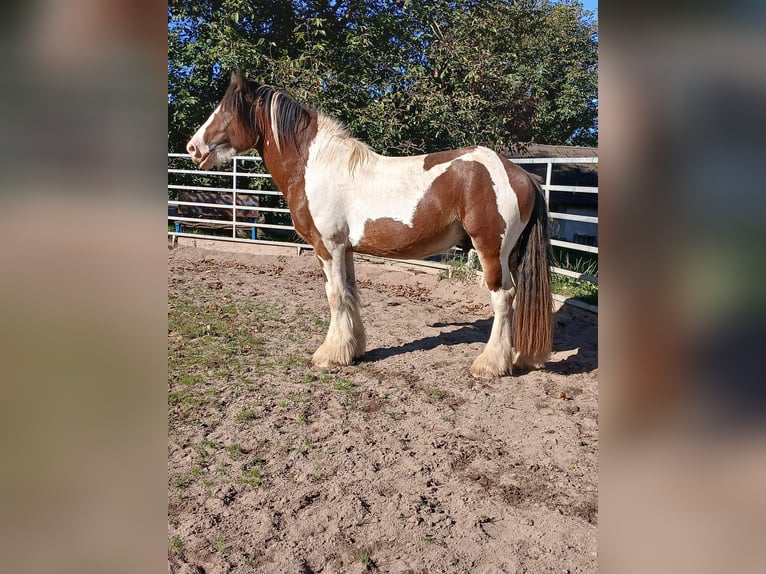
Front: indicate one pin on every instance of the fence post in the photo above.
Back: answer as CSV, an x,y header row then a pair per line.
x,y
548,173
234,199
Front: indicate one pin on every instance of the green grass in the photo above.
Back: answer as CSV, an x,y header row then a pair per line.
x,y
252,473
245,415
292,361
203,450
220,544
346,386
213,342
459,268
235,451
583,263
575,288
365,558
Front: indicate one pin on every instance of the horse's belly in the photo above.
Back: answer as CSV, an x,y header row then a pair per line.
x,y
388,237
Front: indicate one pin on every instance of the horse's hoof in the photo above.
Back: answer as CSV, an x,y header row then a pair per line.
x,y
325,357
485,367
321,362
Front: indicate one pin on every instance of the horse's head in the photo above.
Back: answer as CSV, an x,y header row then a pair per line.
x,y
230,129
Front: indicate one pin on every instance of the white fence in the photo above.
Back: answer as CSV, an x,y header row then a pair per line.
x,y
248,186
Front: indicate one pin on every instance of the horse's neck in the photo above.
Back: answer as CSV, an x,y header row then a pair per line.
x,y
283,164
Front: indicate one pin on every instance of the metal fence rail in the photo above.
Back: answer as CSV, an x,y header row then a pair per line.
x,y
248,179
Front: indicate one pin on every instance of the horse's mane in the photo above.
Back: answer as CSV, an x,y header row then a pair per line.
x,y
285,117
340,142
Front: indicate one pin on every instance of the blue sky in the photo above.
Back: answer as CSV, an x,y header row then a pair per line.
x,y
591,5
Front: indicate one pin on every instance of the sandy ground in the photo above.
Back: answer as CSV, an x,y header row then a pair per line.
x,y
399,463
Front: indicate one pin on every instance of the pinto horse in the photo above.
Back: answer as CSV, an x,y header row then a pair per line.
x,y
345,198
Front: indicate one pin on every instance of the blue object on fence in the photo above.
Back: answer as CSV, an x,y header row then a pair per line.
x,y
252,231
178,227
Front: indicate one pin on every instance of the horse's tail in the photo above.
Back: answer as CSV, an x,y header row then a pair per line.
x,y
533,313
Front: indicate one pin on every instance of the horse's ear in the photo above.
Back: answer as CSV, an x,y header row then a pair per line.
x,y
238,79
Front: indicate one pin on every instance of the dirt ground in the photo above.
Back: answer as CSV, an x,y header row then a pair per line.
x,y
400,463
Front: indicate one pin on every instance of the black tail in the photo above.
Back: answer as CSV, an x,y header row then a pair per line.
x,y
533,314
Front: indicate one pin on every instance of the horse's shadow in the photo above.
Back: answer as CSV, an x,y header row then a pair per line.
x,y
568,334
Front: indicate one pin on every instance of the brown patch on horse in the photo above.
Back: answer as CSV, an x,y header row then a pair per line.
x,y
386,237
461,200
480,217
522,185
253,108
287,167
433,159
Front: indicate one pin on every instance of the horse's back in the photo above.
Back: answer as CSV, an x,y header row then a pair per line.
x,y
414,206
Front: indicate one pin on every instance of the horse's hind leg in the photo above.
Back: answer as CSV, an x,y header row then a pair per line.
x,y
345,338
497,358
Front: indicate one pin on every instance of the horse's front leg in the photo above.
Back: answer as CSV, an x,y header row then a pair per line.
x,y
345,338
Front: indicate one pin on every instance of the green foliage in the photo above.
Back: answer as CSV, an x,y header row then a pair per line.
x,y
575,288
460,268
252,473
579,262
406,76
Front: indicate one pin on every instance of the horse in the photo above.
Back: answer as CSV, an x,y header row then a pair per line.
x,y
346,198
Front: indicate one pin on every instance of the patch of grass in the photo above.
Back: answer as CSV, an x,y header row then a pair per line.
x,y
309,379
185,479
176,542
234,450
190,379
292,360
245,415
428,538
203,449
576,288
365,558
346,386
220,544
582,263
460,267
252,473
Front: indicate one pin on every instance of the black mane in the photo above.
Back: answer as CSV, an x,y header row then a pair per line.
x,y
292,118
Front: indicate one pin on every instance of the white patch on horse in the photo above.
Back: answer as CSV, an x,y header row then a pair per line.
x,y
507,206
274,126
198,139
379,187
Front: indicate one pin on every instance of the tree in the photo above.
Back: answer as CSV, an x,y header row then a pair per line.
x,y
407,76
